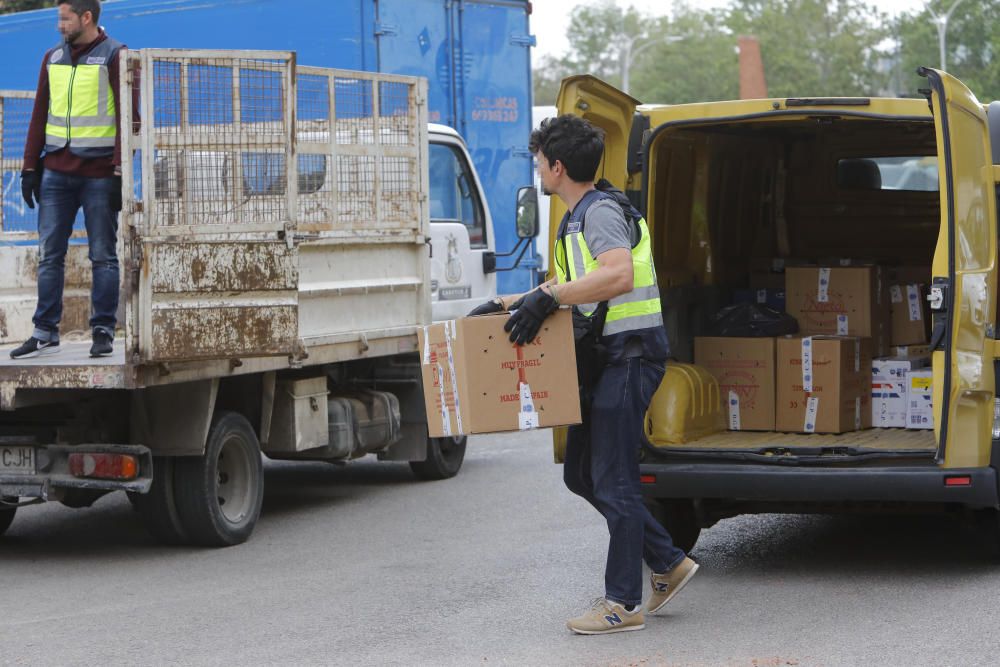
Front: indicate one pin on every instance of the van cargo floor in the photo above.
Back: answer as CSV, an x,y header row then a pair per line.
x,y
873,439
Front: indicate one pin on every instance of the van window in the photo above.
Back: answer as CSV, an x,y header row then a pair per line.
x,y
915,173
453,193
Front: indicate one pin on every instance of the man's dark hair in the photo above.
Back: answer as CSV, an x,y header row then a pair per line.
x,y
80,7
575,142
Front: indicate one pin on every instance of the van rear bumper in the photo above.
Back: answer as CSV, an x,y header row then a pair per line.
x,y
784,483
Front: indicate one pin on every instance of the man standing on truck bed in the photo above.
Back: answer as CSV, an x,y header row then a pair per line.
x,y
603,264
75,122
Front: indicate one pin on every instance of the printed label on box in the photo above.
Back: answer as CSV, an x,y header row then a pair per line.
x,y
812,409
734,411
913,298
823,292
807,365
895,294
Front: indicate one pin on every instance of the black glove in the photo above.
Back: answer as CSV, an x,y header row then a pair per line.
x,y
31,186
115,198
488,308
530,311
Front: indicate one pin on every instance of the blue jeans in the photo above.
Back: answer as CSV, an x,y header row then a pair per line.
x,y
62,196
602,466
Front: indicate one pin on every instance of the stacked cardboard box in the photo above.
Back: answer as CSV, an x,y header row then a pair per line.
x,y
744,368
910,315
840,301
824,384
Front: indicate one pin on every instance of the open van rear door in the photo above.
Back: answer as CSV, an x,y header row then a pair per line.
x,y
611,110
963,294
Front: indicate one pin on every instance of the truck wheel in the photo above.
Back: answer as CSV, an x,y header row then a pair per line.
x,y
7,514
219,495
679,519
158,508
444,458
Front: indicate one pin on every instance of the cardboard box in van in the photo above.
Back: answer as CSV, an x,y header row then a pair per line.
x,y
824,384
476,381
890,377
840,301
916,351
920,397
910,314
744,368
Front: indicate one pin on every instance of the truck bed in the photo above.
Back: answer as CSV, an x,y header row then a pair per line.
x,y
868,440
71,368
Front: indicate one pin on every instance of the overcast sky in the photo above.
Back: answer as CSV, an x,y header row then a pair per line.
x,y
549,18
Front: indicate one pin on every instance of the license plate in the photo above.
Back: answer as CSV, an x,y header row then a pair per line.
x,y
17,460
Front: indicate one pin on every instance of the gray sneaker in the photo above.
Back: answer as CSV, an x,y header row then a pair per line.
x,y
34,347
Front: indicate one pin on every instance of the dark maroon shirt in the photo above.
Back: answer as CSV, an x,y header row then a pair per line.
x,y
63,160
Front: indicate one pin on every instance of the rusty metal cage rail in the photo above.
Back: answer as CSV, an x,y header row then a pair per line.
x,y
225,133
17,221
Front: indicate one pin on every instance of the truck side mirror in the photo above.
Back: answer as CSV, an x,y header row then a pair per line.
x,y
527,213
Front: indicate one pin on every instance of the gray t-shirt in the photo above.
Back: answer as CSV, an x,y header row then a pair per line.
x,y
607,229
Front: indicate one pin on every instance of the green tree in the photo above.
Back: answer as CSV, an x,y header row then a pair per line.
x,y
816,47
11,6
973,40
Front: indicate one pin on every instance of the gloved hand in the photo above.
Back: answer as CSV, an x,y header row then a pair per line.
x,y
31,186
530,311
115,198
488,308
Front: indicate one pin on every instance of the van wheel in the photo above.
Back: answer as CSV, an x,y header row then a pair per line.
x,y
219,494
7,513
679,519
158,507
987,525
444,458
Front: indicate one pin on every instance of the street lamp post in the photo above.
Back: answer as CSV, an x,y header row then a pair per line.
x,y
942,28
629,54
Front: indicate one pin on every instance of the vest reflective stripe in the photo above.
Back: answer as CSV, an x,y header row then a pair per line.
x,y
81,103
637,309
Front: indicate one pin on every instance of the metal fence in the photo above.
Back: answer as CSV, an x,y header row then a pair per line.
x,y
224,134
17,221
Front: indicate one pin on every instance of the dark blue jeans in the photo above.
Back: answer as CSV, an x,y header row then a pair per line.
x,y
602,466
61,197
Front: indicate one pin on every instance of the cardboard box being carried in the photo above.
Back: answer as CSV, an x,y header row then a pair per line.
x,y
476,381
824,384
920,399
889,389
840,301
909,310
744,368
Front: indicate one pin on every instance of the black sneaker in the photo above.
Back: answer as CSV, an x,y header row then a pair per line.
x,y
34,348
102,346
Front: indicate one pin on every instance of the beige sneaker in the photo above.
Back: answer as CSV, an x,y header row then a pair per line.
x,y
606,617
669,584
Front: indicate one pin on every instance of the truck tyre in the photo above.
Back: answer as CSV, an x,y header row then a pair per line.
x,y
219,494
7,514
444,458
679,519
158,507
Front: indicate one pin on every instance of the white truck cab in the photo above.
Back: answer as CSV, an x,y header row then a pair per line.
x,y
462,240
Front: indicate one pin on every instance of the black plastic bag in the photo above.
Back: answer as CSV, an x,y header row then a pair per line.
x,y
752,320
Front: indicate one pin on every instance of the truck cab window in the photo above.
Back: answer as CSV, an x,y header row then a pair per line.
x,y
453,195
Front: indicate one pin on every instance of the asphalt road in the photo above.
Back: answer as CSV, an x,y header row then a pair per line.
x,y
365,566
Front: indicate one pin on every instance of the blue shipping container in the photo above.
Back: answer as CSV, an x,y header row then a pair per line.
x,y
474,53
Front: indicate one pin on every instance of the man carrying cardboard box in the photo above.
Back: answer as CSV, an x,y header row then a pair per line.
x,y
604,262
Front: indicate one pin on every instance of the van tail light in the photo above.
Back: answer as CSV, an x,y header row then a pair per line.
x,y
647,479
104,466
958,480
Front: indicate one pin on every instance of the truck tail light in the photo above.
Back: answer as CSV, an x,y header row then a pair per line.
x,y
104,466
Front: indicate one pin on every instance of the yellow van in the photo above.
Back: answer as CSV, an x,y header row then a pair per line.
x,y
724,185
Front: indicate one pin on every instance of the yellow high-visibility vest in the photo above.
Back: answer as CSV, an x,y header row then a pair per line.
x,y
81,102
638,309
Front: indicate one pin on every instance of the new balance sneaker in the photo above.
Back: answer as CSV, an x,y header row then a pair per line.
x,y
669,584
34,347
102,346
606,617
